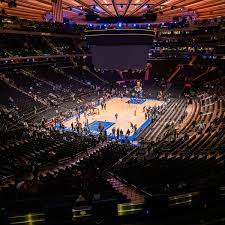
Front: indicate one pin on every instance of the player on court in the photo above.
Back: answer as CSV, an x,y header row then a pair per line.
x,y
135,112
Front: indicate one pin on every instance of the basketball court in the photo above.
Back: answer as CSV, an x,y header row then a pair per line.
x,y
125,108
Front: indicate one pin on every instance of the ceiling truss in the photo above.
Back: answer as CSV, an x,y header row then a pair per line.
x,y
75,9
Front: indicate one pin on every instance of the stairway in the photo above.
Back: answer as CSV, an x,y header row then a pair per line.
x,y
129,191
52,46
174,73
60,71
193,59
210,69
72,161
120,74
179,66
11,84
27,72
95,75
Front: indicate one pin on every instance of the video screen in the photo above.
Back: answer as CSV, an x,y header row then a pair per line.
x,y
119,57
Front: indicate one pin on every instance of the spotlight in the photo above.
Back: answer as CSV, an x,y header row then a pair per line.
x,y
107,6
120,25
135,6
181,9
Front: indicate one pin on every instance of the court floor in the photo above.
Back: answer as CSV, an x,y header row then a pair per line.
x,y
125,111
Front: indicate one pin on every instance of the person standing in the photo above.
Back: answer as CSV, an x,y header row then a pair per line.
x,y
114,131
128,132
116,116
102,105
131,125
144,108
146,116
121,96
86,122
72,126
105,133
117,133
99,127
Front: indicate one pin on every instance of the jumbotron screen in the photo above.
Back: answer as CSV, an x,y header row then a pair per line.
x,y
119,56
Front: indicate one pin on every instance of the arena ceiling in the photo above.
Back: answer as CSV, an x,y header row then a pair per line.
x,y
75,9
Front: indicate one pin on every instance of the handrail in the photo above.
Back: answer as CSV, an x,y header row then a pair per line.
x,y
41,57
130,185
121,159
